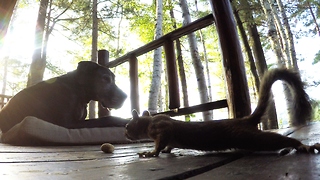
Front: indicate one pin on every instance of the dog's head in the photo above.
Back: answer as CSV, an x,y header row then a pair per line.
x,y
99,84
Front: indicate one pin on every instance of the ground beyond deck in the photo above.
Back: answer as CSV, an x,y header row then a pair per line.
x,y
88,162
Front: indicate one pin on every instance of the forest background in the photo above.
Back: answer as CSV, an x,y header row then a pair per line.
x,y
288,32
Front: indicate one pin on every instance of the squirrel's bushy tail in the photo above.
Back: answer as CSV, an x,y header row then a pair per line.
x,y
300,108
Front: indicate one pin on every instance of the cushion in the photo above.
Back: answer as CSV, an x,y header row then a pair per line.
x,y
34,131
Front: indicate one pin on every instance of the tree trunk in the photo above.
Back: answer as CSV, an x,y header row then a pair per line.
x,y
182,74
196,61
282,35
205,56
271,120
291,48
157,64
291,53
272,33
247,49
38,64
274,40
6,9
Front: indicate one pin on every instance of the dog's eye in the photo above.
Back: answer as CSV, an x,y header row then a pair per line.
x,y
107,79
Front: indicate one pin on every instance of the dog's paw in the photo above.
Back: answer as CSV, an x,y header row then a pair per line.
x,y
285,151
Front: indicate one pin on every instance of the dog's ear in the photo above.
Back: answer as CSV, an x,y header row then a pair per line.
x,y
135,114
87,66
146,113
84,71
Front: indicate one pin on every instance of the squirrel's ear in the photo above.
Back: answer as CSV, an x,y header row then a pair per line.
x,y
146,113
135,114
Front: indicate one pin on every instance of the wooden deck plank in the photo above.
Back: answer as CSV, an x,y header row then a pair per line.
x,y
88,162
115,168
72,153
268,166
272,166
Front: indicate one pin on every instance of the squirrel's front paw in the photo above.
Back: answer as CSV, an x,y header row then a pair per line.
x,y
315,146
309,149
167,150
148,154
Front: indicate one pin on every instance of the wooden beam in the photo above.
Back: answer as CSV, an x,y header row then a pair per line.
x,y
173,83
194,26
238,92
134,83
103,59
197,108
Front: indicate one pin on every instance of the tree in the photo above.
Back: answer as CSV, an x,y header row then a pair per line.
x,y
38,64
288,37
197,64
243,8
273,33
205,55
157,63
183,80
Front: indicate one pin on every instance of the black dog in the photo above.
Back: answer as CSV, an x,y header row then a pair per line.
x,y
63,100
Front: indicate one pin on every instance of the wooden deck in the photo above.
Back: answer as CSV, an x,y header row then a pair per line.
x,y
88,162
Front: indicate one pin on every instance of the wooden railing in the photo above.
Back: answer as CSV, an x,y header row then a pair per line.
x,y
167,41
238,99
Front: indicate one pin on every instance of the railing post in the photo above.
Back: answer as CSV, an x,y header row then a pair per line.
x,y
103,59
174,95
134,82
238,100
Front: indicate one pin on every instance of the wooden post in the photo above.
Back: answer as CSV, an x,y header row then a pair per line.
x,y
174,97
238,100
103,59
134,83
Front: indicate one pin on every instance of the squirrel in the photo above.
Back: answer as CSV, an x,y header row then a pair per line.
x,y
237,133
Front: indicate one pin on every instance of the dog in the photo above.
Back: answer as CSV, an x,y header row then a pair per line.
x,y
63,100
218,135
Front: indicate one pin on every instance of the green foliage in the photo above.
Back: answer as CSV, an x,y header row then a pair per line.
x,y
55,70
144,23
316,58
316,110
301,11
16,76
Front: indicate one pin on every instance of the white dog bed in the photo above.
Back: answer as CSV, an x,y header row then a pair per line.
x,y
34,131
